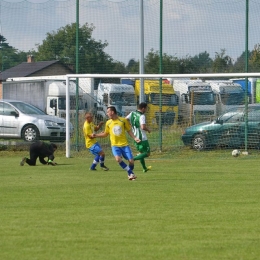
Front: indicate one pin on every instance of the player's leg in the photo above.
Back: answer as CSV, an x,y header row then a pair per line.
x,y
102,161
94,149
120,152
144,149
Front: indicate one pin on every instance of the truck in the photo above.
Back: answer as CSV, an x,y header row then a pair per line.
x,y
197,101
257,91
47,94
228,94
251,87
169,102
121,96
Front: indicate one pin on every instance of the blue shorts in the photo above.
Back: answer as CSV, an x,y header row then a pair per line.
x,y
95,149
124,151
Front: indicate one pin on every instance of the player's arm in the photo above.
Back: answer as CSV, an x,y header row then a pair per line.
x,y
145,128
103,134
143,125
41,159
133,136
97,127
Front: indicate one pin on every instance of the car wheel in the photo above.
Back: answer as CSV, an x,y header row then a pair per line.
x,y
30,133
199,142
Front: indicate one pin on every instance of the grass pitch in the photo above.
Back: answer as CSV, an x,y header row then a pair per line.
x,y
189,206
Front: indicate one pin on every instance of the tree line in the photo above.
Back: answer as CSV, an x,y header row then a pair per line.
x,y
60,45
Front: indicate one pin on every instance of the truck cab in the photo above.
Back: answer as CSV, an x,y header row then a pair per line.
x,y
121,96
56,99
198,101
228,94
154,98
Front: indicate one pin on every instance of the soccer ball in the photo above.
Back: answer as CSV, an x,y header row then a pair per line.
x,y
235,153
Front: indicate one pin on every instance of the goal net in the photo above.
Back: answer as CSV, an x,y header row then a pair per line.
x,y
192,111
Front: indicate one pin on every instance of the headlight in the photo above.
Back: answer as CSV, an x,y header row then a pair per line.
x,y
50,123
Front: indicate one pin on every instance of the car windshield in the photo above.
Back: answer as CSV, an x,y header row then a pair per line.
x,y
27,108
167,99
233,115
233,98
123,98
203,98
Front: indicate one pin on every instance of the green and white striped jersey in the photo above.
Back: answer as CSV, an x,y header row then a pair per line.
x,y
137,119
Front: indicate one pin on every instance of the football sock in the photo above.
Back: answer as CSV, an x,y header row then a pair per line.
x,y
102,160
143,163
125,167
131,166
95,162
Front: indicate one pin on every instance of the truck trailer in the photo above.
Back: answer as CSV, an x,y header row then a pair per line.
x,y
47,94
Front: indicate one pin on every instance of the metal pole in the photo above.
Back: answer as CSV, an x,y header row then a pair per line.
x,y
141,65
161,71
67,118
246,78
77,80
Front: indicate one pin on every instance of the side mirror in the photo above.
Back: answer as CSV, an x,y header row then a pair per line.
x,y
14,113
219,122
184,98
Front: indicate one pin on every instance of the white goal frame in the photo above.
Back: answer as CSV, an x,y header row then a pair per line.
x,y
140,76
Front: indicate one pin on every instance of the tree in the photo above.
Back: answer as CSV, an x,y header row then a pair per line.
x,y
61,45
254,60
239,65
132,66
170,64
222,62
202,62
9,56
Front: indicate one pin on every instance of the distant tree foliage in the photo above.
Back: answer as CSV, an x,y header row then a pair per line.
x,y
9,56
61,45
254,59
222,62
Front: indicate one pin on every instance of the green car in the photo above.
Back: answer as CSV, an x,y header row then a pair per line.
x,y
228,130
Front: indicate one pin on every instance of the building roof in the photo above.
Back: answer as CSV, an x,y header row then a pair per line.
x,y
25,69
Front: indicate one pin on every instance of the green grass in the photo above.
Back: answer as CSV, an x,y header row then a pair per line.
x,y
190,206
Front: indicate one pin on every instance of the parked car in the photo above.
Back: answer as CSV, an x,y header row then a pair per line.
x,y
228,130
22,120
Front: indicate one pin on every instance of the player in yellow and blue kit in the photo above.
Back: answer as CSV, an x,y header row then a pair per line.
x,y
91,143
116,127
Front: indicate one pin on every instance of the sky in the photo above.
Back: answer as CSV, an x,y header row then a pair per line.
x,y
189,26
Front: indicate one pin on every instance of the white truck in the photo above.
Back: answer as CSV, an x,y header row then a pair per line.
x,y
197,101
228,94
47,94
122,96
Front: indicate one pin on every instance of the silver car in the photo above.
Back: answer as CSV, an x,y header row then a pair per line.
x,y
22,120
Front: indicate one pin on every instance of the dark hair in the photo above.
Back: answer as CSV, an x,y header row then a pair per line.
x,y
112,108
142,105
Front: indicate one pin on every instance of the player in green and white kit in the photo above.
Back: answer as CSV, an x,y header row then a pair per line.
x,y
138,122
